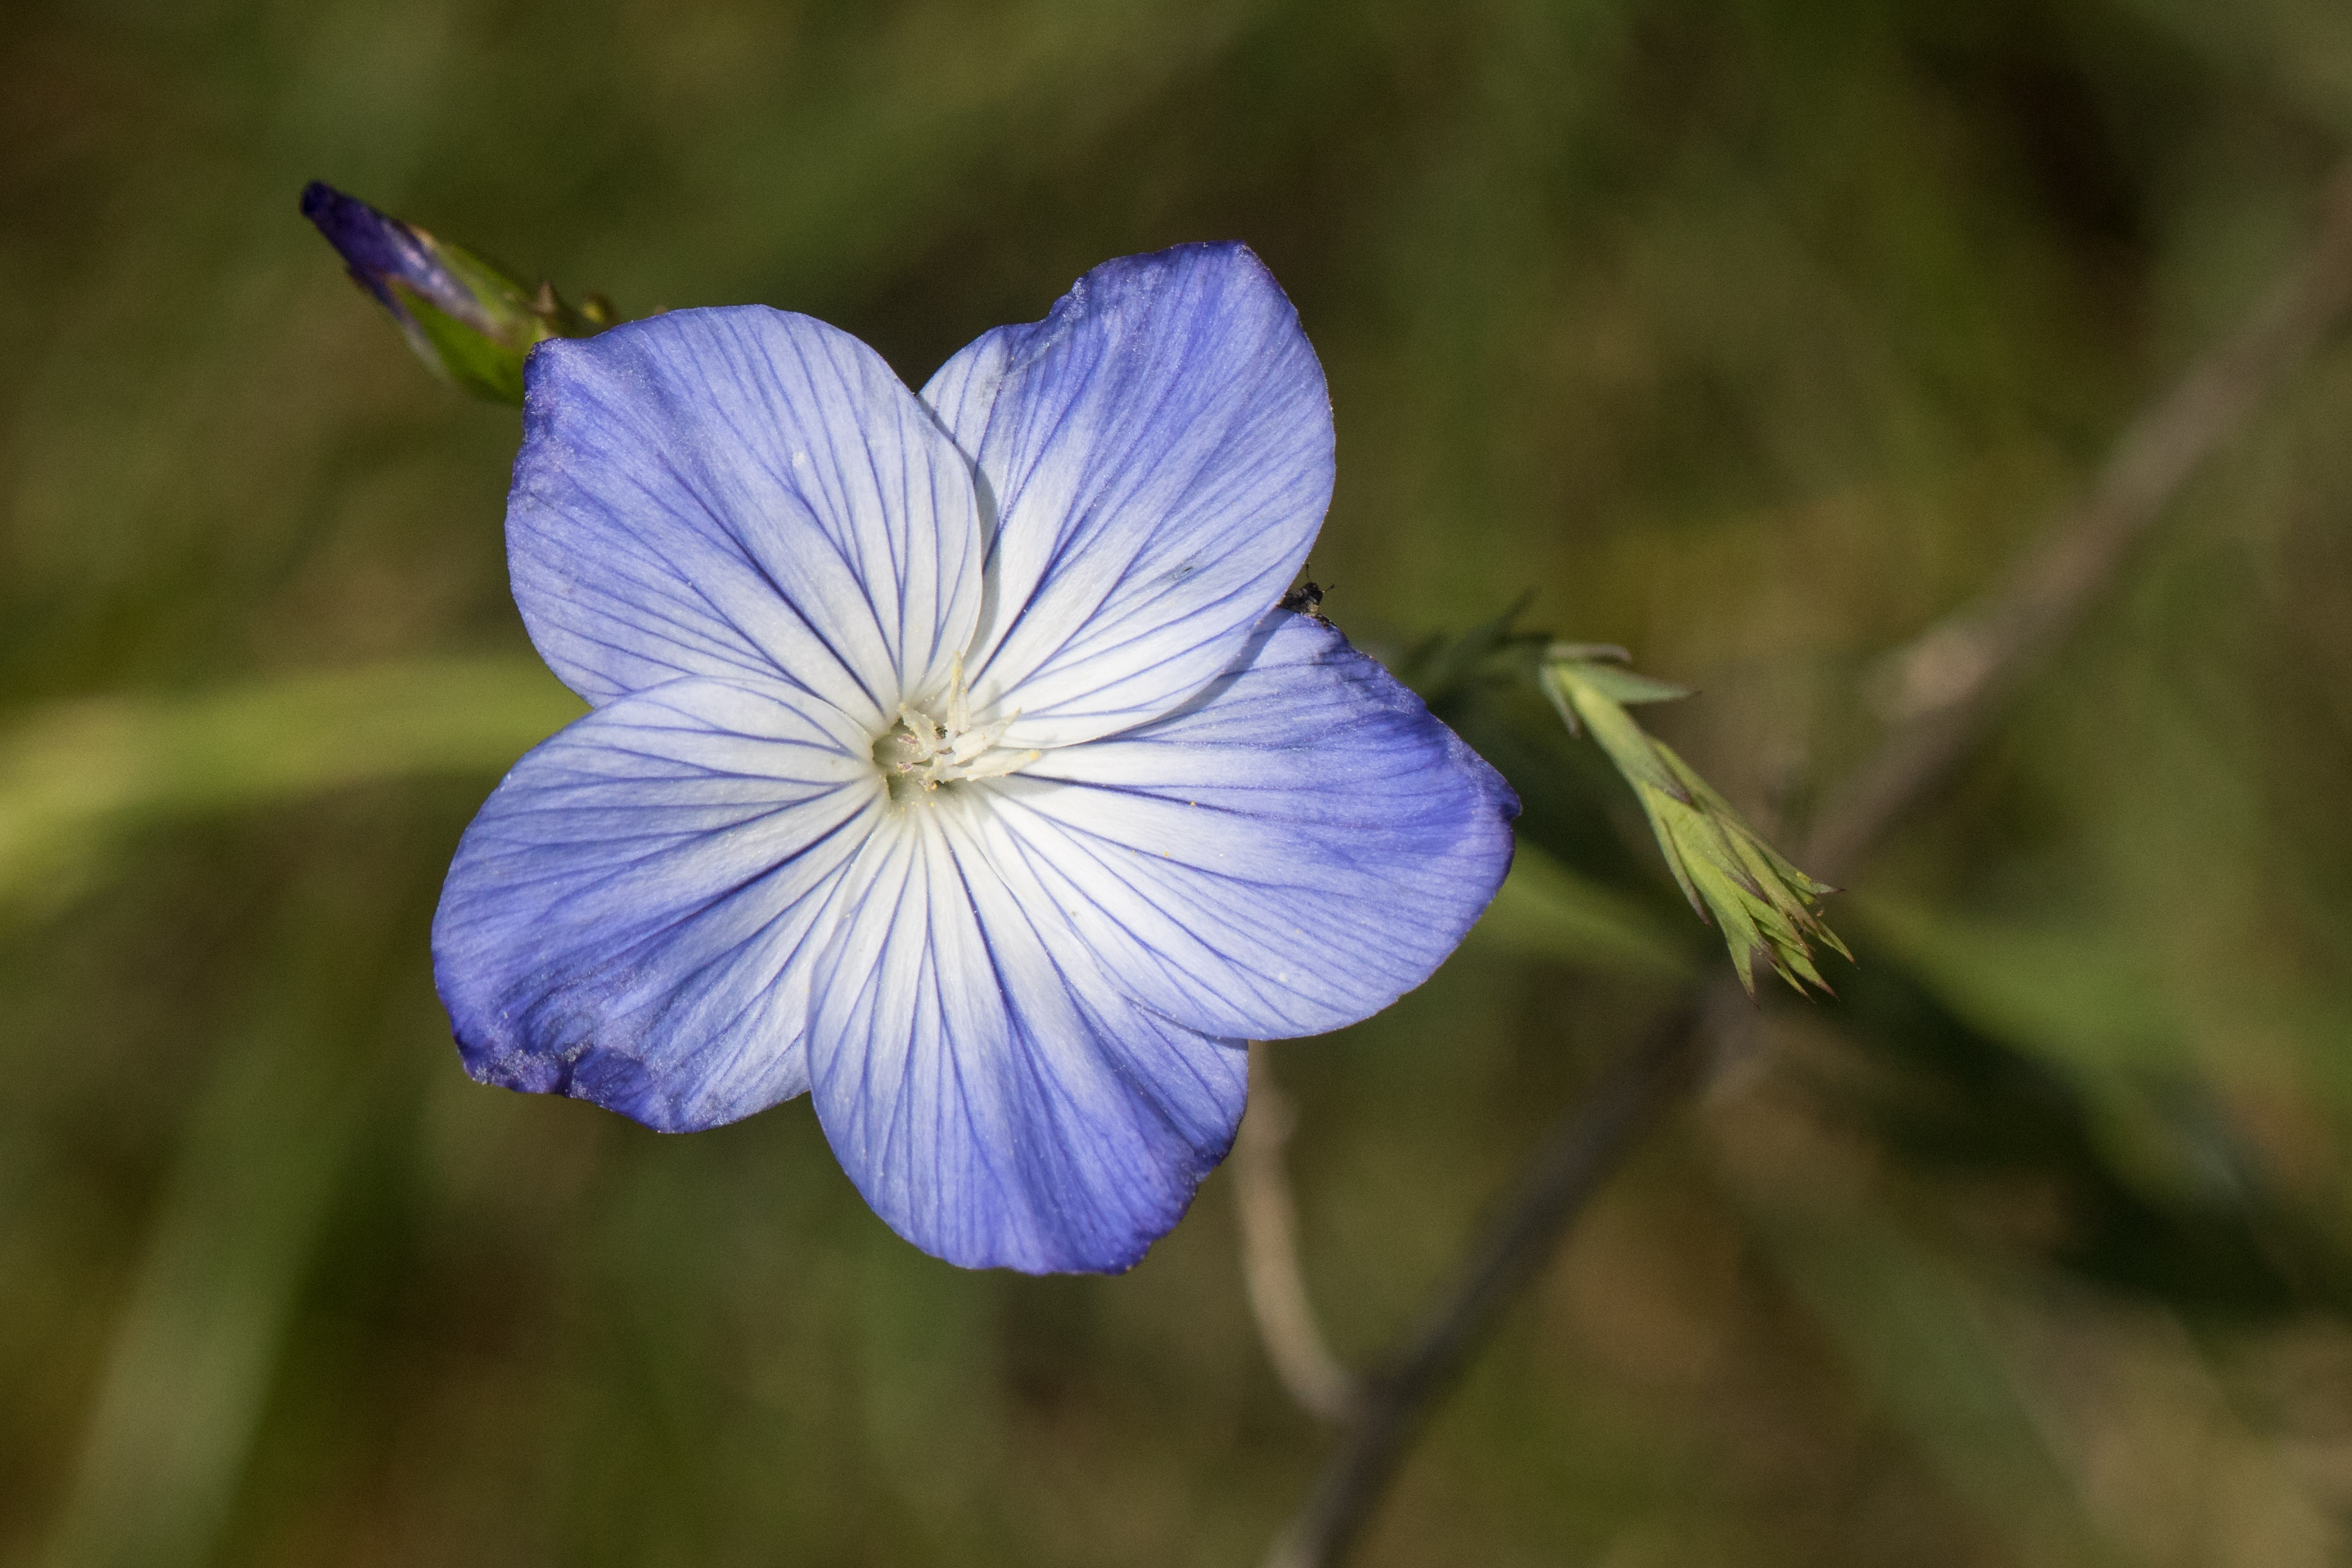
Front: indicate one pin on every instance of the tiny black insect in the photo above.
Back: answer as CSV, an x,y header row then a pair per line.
x,y
1307,599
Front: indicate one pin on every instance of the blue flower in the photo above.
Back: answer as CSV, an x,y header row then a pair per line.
x,y
950,762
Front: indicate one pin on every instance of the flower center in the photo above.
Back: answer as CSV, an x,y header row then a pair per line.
x,y
923,751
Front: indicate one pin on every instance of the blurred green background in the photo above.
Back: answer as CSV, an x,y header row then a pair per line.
x,y
1753,336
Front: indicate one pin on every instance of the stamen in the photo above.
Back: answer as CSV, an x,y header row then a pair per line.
x,y
919,754
959,700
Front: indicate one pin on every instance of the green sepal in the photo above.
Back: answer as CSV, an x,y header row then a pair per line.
x,y
1601,667
485,367
487,359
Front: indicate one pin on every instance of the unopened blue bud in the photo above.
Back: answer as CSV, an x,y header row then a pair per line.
x,y
468,318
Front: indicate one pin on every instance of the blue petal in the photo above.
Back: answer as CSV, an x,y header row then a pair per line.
x,y
378,250
739,493
996,1098
630,917
1158,450
1287,854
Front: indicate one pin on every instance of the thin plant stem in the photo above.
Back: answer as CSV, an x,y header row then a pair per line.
x,y
1579,1155
1948,681
1270,1276
1949,684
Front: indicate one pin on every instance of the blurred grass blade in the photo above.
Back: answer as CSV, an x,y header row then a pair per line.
x,y
76,776
1763,905
189,1368
1922,1350
1545,910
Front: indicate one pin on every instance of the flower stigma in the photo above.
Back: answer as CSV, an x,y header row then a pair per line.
x,y
920,751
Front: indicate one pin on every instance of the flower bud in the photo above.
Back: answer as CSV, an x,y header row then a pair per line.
x,y
468,318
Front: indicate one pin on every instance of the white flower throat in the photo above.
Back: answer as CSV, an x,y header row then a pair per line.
x,y
921,751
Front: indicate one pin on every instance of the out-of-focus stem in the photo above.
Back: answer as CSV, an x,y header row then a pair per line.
x,y
1581,1153
1271,1275
1951,682
1948,681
